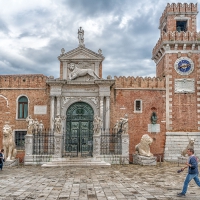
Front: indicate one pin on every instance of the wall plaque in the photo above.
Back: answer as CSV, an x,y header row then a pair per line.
x,y
153,128
40,110
184,85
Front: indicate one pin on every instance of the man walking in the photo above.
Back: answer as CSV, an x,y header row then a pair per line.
x,y
193,172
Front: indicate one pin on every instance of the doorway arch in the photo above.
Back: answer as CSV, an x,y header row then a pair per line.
x,y
79,130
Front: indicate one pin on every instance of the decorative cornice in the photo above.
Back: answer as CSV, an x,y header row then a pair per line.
x,y
81,49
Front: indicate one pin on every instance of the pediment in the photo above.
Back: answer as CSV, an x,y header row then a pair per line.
x,y
81,53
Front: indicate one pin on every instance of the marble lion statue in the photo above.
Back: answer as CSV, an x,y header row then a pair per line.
x,y
77,72
8,143
143,148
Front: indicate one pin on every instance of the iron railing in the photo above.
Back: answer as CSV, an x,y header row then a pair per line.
x,y
43,142
111,143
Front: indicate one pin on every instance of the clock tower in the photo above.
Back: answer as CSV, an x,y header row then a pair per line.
x,y
177,58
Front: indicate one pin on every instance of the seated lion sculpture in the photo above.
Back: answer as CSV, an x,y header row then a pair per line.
x,y
143,148
8,143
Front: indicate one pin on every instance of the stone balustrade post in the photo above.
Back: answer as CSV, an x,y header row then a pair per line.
x,y
96,145
58,144
125,148
28,158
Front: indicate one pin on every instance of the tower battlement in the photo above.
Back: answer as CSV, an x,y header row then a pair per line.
x,y
179,8
175,39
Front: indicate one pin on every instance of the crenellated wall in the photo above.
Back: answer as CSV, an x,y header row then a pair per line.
x,y
139,82
24,81
179,7
173,37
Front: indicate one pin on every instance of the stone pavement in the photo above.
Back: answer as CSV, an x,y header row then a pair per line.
x,y
117,182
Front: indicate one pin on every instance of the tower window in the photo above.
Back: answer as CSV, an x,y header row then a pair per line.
x,y
181,26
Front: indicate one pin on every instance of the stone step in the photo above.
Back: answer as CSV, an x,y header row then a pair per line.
x,y
61,162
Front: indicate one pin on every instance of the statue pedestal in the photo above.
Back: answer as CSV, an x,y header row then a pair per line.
x,y
125,148
182,159
28,159
96,145
58,142
11,163
143,160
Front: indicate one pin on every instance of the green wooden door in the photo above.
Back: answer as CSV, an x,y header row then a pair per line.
x,y
79,130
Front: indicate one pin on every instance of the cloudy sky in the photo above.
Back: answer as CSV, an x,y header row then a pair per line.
x,y
33,32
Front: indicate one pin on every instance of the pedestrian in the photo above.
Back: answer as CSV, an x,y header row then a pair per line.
x,y
1,158
193,172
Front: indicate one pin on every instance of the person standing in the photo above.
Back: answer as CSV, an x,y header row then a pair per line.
x,y
193,172
1,158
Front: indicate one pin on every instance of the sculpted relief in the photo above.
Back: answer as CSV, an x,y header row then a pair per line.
x,y
76,72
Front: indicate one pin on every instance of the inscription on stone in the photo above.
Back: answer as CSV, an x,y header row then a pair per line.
x,y
184,86
153,128
40,110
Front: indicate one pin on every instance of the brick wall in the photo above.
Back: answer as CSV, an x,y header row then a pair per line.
x,y
152,94
34,87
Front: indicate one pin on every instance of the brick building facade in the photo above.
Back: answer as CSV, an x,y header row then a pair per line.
x,y
174,95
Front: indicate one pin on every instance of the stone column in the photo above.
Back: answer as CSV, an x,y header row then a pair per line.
x,y
28,158
52,112
58,105
125,148
101,107
58,144
107,119
96,146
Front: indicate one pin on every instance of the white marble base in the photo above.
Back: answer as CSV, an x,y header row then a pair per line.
x,y
11,163
143,160
182,159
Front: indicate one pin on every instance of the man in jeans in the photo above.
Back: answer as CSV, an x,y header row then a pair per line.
x,y
193,172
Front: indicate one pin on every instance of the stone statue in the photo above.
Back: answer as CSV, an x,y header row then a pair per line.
x,y
8,143
124,124
58,124
35,125
143,148
190,145
97,125
40,127
116,127
30,125
153,118
81,37
76,72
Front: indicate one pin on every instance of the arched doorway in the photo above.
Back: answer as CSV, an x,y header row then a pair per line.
x,y
79,130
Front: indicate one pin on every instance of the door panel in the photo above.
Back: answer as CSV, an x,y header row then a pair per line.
x,y
79,130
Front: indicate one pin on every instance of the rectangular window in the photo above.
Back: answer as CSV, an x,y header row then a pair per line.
x,y
181,26
138,105
20,139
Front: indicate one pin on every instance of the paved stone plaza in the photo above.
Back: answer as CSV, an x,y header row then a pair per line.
x,y
117,182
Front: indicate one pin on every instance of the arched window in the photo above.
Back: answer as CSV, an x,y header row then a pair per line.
x,y
22,107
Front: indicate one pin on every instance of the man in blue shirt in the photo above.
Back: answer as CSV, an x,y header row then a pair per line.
x,y
193,172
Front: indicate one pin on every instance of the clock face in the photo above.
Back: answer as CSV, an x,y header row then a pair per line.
x,y
184,66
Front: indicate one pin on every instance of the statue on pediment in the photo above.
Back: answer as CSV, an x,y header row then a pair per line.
x,y
76,72
81,37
